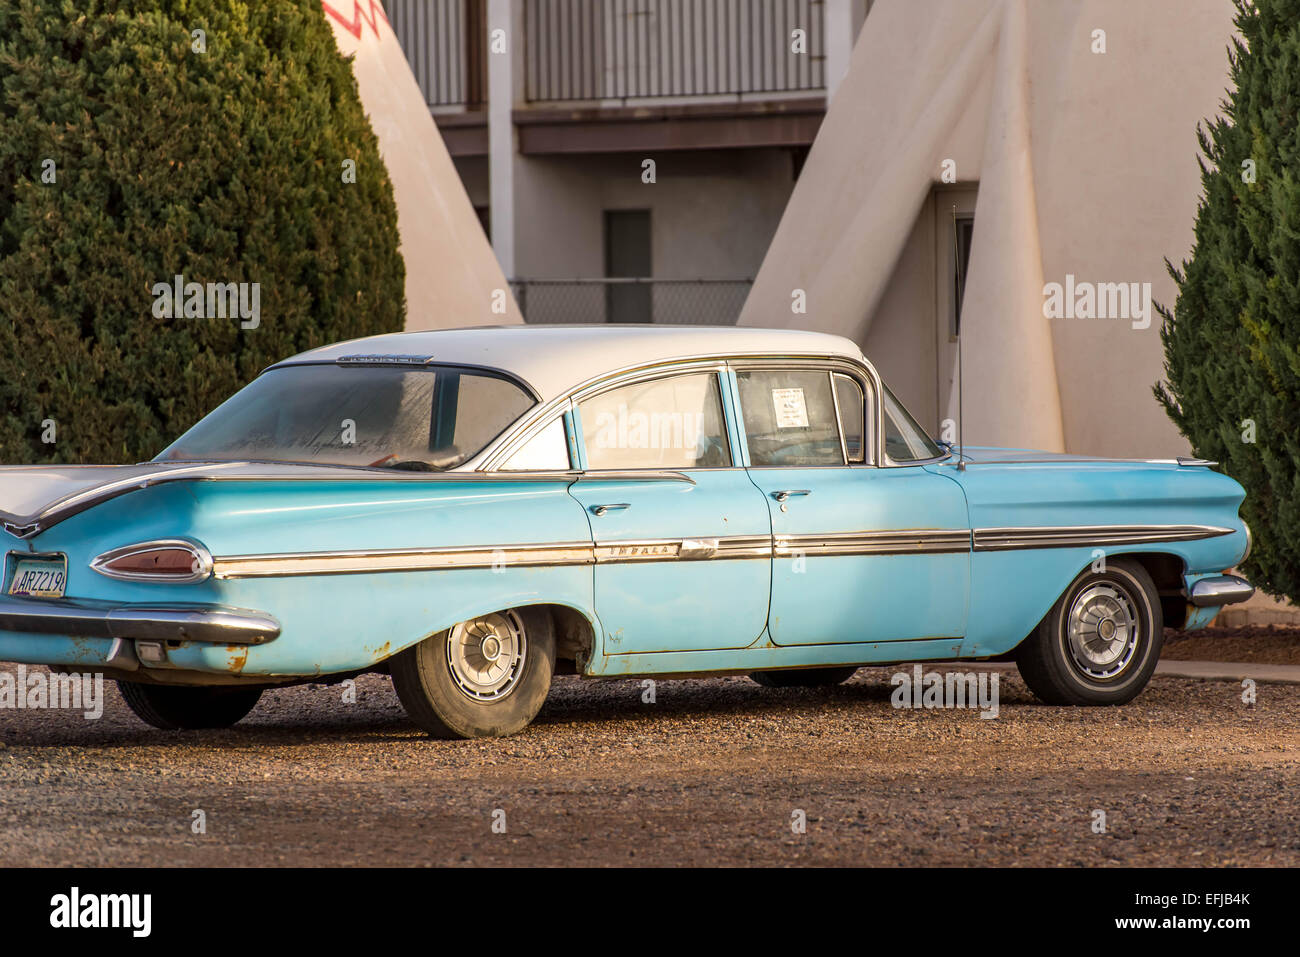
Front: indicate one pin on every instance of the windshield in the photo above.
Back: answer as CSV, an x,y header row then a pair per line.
x,y
905,441
426,418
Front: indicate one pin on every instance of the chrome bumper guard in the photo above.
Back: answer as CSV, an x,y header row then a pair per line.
x,y
216,624
1220,590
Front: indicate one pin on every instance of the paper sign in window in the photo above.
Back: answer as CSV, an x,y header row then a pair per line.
x,y
791,409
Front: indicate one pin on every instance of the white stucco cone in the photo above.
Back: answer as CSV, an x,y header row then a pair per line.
x,y
1011,395
452,277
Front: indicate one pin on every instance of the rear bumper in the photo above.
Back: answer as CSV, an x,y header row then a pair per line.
x,y
1220,590
215,624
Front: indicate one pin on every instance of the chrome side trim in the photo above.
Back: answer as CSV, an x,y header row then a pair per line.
x,y
689,549
1220,590
218,624
901,542
401,560
885,542
1066,536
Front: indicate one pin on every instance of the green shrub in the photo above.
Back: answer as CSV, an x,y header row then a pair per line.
x,y
1231,356
222,165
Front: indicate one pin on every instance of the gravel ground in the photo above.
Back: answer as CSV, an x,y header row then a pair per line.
x,y
709,774
1260,644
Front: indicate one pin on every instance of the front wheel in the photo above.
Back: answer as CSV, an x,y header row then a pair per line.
x,y
177,707
487,677
1100,642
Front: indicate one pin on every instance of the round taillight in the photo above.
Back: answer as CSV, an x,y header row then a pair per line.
x,y
169,561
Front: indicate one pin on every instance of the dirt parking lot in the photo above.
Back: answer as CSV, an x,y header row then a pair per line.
x,y
712,772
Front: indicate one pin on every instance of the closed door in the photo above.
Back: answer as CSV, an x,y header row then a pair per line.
x,y
861,553
682,536
628,261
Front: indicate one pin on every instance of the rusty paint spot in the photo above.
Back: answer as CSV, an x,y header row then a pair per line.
x,y
238,657
382,652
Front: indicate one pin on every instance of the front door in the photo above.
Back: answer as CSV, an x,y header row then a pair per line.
x,y
862,553
682,536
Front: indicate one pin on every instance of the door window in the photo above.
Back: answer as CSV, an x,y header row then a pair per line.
x,y
789,418
670,423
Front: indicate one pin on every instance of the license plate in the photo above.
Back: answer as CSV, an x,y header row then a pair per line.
x,y
39,577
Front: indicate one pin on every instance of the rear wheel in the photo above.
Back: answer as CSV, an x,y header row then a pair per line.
x,y
1100,642
805,677
175,707
487,677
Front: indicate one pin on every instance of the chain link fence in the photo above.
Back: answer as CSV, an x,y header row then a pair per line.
x,y
685,302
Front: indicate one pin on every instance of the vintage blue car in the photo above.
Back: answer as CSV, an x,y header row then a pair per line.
x,y
473,511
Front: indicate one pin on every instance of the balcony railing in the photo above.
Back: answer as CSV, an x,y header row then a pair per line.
x,y
700,302
636,49
445,41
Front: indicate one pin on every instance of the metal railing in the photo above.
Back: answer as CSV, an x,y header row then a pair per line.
x,y
699,302
629,49
445,41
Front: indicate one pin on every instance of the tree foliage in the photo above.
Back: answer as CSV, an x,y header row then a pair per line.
x,y
145,139
1232,341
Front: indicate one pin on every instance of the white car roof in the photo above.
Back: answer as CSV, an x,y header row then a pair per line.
x,y
555,359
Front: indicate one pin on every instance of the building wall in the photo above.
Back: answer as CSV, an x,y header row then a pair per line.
x,y
712,212
1086,164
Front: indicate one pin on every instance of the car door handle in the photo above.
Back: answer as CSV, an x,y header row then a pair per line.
x,y
611,507
785,493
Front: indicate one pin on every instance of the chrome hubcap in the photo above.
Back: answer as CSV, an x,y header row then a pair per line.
x,y
486,655
1103,630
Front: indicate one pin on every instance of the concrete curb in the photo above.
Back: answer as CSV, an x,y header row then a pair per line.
x,y
1202,670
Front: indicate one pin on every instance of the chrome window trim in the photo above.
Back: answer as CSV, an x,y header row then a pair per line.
x,y
863,370
488,457
577,398
527,435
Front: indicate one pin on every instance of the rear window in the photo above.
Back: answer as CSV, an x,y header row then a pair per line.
x,y
424,418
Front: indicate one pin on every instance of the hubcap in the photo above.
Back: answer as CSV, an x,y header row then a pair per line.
x,y
486,655
1103,630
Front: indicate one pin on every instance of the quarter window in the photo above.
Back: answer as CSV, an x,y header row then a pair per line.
x,y
790,418
670,423
905,441
547,451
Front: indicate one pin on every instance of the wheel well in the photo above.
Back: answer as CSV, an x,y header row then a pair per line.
x,y
574,638
1167,572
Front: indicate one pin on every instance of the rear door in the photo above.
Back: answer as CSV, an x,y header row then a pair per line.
x,y
682,536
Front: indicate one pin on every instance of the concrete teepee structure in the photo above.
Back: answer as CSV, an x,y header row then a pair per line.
x,y
452,276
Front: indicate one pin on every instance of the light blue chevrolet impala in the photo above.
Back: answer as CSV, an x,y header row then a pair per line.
x,y
474,511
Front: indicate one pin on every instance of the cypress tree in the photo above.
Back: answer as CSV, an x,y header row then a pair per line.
x,y
217,140
1231,359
